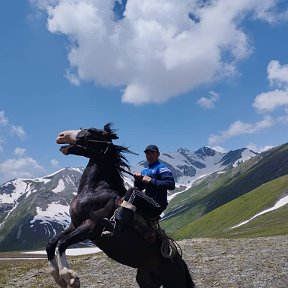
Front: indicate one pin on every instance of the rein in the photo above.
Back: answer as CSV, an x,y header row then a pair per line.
x,y
127,172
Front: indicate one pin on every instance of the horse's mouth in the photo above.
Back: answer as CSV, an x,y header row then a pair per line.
x,y
65,149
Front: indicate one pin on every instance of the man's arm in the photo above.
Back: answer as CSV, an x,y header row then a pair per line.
x,y
165,179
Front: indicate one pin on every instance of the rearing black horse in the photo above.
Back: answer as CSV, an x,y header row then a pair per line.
x,y
100,190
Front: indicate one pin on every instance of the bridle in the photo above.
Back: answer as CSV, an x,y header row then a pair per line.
x,y
104,151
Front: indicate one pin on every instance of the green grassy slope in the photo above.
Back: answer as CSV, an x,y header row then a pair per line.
x,y
219,189
218,223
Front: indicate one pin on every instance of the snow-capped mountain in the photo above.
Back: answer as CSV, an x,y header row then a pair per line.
x,y
189,166
40,206
34,210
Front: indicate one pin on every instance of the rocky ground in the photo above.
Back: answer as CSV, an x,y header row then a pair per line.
x,y
245,263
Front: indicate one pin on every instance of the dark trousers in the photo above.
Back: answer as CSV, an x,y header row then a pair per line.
x,y
143,202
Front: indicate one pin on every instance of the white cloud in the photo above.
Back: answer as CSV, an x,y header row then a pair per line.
x,y
277,74
269,101
3,119
239,128
208,102
54,162
156,51
22,166
19,151
219,149
264,102
18,131
255,148
283,119
25,167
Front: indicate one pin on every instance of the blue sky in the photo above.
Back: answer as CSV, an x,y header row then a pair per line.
x,y
175,73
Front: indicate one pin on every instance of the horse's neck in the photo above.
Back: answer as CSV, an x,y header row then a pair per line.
x,y
96,175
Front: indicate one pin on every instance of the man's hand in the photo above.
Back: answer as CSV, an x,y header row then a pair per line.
x,y
146,179
141,178
138,177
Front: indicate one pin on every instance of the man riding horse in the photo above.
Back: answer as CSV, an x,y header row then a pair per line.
x,y
100,190
155,179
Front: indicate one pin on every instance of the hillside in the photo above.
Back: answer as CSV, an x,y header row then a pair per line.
x,y
218,189
220,222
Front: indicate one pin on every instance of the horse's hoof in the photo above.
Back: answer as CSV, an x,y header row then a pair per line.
x,y
63,284
75,282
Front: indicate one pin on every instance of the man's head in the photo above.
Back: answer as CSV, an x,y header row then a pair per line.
x,y
152,153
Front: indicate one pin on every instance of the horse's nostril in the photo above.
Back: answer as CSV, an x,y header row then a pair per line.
x,y
61,135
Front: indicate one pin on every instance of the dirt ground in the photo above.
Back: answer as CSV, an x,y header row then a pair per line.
x,y
224,263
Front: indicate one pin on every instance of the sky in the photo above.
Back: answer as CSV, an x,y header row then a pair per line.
x,y
178,74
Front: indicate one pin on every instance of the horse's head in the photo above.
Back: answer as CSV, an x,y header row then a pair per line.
x,y
91,139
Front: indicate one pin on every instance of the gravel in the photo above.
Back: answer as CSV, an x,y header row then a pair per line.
x,y
225,263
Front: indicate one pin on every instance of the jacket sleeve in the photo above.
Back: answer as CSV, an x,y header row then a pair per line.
x,y
165,179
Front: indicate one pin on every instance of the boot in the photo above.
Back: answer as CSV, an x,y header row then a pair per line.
x,y
123,217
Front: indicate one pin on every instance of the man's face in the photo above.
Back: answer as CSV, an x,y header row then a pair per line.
x,y
152,156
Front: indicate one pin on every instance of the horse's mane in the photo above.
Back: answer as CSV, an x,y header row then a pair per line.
x,y
121,162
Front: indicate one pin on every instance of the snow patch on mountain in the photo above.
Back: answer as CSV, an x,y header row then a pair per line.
x,y
188,166
55,212
55,173
60,187
245,155
19,189
282,202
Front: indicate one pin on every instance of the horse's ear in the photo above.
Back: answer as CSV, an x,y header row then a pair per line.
x,y
111,133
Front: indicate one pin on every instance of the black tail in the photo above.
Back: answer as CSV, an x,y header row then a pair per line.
x,y
188,279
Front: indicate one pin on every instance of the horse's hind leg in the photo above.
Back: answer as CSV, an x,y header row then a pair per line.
x,y
146,279
175,273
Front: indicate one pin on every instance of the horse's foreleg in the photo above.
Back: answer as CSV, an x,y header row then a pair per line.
x,y
50,250
54,271
81,233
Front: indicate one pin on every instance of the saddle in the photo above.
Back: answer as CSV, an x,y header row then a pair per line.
x,y
148,227
151,231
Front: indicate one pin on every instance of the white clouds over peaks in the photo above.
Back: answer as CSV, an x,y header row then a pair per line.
x,y
266,102
160,49
269,101
21,167
239,128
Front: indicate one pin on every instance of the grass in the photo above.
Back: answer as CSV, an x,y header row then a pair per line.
x,y
10,269
218,222
218,190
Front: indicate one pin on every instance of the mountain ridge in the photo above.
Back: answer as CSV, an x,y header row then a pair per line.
x,y
41,205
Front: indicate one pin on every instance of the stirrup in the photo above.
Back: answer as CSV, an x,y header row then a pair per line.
x,y
109,226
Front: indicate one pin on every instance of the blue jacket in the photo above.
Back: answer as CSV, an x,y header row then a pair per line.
x,y
162,180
